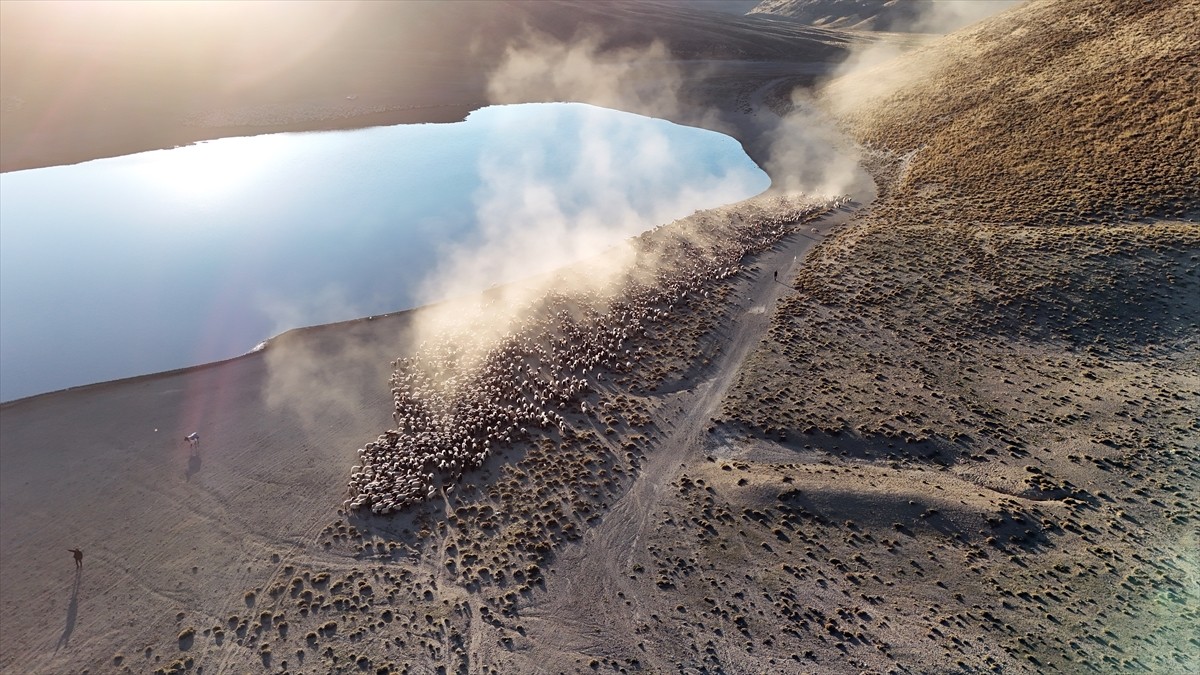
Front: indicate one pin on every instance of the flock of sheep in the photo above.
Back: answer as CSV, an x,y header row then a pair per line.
x,y
450,418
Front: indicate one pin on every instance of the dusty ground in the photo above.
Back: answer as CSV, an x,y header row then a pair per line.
x,y
938,443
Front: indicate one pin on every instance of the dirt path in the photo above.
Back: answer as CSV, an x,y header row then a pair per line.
x,y
592,580
590,605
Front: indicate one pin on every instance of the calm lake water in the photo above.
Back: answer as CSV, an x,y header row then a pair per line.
x,y
138,264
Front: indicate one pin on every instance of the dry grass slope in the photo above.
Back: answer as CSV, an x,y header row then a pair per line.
x,y
1018,318
1062,113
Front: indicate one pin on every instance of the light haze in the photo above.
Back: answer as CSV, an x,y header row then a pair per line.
x,y
137,264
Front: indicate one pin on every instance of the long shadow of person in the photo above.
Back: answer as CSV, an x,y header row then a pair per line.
x,y
72,612
193,466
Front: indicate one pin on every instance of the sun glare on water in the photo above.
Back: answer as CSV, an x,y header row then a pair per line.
x,y
209,169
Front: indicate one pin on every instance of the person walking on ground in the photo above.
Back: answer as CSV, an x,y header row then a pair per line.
x,y
78,557
776,275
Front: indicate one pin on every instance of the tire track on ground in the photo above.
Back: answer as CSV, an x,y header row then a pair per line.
x,y
599,569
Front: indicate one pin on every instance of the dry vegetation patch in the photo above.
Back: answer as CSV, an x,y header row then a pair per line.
x,y
1019,317
1058,114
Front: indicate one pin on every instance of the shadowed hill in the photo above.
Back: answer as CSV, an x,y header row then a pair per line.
x,y
89,80
687,32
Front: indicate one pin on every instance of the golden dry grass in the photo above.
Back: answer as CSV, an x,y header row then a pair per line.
x,y
1059,114
1020,312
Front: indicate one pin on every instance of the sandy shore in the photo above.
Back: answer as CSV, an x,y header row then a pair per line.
x,y
106,469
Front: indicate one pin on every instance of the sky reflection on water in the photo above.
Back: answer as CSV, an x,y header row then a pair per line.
x,y
138,264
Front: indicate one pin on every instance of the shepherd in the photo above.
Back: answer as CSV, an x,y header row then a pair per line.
x,y
193,439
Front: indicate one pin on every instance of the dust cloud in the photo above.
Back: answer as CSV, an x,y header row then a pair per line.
x,y
867,74
529,231
533,220
528,227
810,155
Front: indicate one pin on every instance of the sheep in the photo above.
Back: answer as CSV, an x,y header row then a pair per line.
x,y
526,380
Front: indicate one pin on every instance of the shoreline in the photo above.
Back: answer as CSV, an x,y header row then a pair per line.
x,y
448,113
745,133
448,103
184,135
406,315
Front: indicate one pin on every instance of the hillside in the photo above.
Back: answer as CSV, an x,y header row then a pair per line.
x,y
1017,321
1093,110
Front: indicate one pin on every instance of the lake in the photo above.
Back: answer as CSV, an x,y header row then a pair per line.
x,y
138,264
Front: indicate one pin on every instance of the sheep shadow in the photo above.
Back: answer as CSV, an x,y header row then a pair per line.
x,y
193,466
72,612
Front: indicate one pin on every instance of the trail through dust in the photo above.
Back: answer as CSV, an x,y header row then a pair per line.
x,y
596,574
